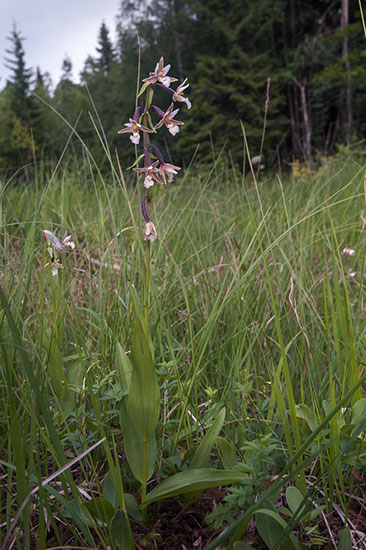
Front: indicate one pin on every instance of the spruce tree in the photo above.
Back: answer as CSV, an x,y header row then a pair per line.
x,y
21,76
106,51
66,75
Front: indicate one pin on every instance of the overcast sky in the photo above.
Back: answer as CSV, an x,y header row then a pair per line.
x,y
54,29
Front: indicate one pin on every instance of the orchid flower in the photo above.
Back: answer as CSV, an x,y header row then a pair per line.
x,y
179,96
348,252
165,168
160,75
55,266
55,243
150,173
167,118
134,126
168,169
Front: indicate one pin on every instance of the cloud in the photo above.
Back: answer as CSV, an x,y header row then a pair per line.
x,y
53,30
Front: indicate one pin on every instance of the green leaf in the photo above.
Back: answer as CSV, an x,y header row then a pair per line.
x,y
137,310
136,161
227,453
202,455
150,95
143,88
303,412
242,546
100,509
294,500
75,511
132,507
271,527
124,367
345,539
109,490
358,411
150,122
144,394
285,511
121,530
72,374
327,407
133,446
193,481
54,360
314,513
154,190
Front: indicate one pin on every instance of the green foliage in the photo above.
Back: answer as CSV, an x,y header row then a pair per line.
x,y
261,457
217,336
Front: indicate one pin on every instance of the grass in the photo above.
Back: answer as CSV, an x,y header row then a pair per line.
x,y
253,307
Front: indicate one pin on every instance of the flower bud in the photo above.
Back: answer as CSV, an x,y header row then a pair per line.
x,y
150,232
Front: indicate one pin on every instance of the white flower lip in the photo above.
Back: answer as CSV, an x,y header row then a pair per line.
x,y
55,266
149,182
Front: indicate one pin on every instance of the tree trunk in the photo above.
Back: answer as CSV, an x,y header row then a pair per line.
x,y
295,136
178,40
306,138
345,55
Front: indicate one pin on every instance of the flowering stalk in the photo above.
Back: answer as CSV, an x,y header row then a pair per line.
x,y
154,171
53,243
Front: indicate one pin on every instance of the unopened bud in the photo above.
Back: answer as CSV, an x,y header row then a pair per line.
x,y
150,232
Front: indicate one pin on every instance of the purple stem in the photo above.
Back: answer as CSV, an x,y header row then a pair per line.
x,y
169,90
144,209
157,153
158,110
137,114
148,160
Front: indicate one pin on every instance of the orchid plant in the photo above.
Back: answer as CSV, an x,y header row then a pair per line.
x,y
154,171
139,408
55,244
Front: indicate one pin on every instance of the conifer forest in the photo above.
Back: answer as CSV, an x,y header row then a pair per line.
x,y
310,55
183,282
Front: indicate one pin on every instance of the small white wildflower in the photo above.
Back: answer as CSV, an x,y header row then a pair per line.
x,y
351,273
348,252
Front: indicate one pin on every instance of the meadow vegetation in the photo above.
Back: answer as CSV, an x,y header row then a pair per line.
x,y
256,317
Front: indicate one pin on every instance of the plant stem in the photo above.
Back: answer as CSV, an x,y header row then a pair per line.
x,y
147,282
147,288
146,311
